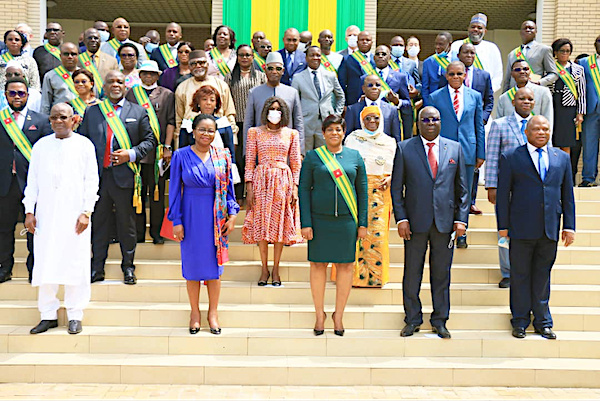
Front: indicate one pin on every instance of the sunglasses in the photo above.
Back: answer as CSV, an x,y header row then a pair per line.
x,y
127,55
271,68
81,81
266,47
369,119
519,69
430,120
67,54
198,62
246,55
456,74
184,51
16,93
376,84
49,30
381,54
61,118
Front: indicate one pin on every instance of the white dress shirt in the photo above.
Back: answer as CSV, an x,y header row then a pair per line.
x,y
319,76
369,102
461,100
436,148
19,117
520,119
469,77
385,73
535,157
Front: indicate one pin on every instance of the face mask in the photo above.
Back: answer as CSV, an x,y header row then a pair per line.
x,y
353,40
369,132
274,116
155,85
397,51
414,51
150,47
301,47
45,41
442,54
104,35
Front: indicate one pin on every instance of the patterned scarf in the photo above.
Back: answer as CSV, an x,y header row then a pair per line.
x,y
222,163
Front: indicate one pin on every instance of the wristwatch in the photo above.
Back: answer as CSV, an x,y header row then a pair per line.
x,y
87,213
168,147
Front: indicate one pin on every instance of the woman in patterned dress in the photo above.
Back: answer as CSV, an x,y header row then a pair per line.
x,y
272,186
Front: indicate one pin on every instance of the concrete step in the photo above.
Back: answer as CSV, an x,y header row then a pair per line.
x,y
298,370
581,194
581,207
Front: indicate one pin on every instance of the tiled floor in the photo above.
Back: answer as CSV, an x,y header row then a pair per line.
x,y
18,391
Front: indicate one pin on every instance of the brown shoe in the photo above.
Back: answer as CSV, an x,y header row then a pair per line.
x,y
475,210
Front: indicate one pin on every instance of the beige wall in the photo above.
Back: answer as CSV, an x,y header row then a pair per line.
x,y
13,12
73,27
573,19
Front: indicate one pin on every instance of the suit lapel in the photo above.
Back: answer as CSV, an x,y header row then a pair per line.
x,y
420,151
514,125
529,161
553,162
308,77
443,157
449,102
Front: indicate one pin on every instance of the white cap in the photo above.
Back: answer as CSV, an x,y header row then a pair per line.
x,y
149,66
274,57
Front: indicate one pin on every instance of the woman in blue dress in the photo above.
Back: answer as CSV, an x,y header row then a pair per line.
x,y
203,211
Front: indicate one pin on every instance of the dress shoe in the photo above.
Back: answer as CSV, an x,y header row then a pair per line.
x,y
441,331
587,184
97,276
194,330
337,332
215,330
141,240
320,332
43,326
518,332
409,330
74,327
475,210
461,242
158,241
129,276
6,276
504,283
546,332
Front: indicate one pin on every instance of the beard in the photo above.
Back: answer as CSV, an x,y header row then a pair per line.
x,y
20,108
476,38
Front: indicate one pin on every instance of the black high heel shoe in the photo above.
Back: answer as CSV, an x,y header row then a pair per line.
x,y
337,332
194,330
262,283
213,330
321,332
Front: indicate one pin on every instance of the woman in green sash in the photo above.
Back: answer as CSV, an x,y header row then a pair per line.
x,y
333,213
84,85
222,57
15,41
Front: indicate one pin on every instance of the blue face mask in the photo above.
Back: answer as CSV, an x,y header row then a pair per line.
x,y
369,132
442,54
397,51
104,35
150,47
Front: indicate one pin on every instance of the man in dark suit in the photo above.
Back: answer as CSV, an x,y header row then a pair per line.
x,y
162,100
372,89
173,34
46,60
432,69
431,200
351,70
13,171
294,60
117,180
535,187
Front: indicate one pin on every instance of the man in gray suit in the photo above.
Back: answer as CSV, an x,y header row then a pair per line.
x,y
431,200
543,98
320,95
539,57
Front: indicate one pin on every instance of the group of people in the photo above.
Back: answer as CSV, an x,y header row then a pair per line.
x,y
322,146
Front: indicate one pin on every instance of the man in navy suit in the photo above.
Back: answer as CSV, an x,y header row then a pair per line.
x,y
173,34
350,70
432,70
461,109
293,60
535,187
431,200
13,172
372,90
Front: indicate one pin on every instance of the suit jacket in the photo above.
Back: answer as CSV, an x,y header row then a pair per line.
x,y
432,73
344,52
391,122
298,65
349,75
469,131
163,101
156,55
591,96
482,83
541,61
543,103
45,61
529,207
315,110
137,124
36,125
105,63
410,67
504,136
423,200
398,82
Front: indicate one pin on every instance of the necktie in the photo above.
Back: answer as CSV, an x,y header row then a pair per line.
x,y
288,64
433,164
523,125
109,139
16,119
525,50
456,102
467,77
373,103
541,164
317,85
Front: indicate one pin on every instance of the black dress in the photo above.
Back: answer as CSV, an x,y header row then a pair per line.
x,y
563,135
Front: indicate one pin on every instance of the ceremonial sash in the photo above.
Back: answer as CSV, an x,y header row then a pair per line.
x,y
567,78
368,68
519,55
442,61
7,57
338,174
79,105
115,44
55,51
394,65
477,61
166,54
594,72
88,64
142,98
15,133
66,78
119,131
217,57
511,95
327,64
262,63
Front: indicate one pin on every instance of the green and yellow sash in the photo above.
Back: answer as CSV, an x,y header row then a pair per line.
x,y
115,44
7,57
567,78
262,63
88,64
477,62
368,68
166,54
595,72
142,98
338,174
442,61
511,95
55,51
327,64
15,133
519,55
66,78
394,65
122,136
221,63
78,105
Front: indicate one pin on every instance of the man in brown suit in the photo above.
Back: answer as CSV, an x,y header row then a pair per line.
x,y
162,100
102,61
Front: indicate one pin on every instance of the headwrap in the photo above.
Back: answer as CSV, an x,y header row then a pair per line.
x,y
365,112
479,18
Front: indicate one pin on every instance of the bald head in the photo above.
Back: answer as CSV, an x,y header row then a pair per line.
x,y
62,108
61,120
538,131
365,41
291,38
91,40
121,29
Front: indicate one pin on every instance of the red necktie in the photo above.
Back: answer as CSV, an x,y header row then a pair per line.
x,y
433,164
456,103
109,139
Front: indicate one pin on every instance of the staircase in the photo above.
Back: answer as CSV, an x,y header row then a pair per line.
x,y
138,334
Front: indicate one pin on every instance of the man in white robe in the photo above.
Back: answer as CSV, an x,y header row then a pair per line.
x,y
61,191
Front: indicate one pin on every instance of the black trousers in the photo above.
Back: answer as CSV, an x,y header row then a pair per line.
x,y
440,260
530,264
10,210
157,208
122,199
407,125
575,154
475,185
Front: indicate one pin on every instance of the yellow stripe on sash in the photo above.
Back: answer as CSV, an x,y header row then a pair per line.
x,y
327,64
519,55
15,133
7,57
368,68
55,51
115,44
221,63
66,77
394,65
595,72
166,54
477,61
79,105
88,64
567,78
442,61
262,63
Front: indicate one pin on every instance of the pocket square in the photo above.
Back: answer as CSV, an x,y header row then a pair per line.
x,y
32,127
452,161
130,120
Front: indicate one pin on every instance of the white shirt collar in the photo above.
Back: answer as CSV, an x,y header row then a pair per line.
x,y
368,102
532,149
436,141
529,45
460,90
519,118
22,113
311,70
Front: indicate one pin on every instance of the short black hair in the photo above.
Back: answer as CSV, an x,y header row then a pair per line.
x,y
518,61
231,36
333,119
16,80
202,117
125,45
558,43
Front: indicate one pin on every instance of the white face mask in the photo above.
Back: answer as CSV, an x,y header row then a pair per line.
x,y
274,116
414,51
154,85
397,51
353,40
301,47
104,35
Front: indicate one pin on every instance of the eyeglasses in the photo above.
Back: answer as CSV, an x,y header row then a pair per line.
x,y
373,118
456,74
16,93
122,27
519,69
564,51
67,54
246,55
376,84
204,131
184,51
13,74
266,47
127,55
430,120
198,62
81,81
49,30
61,118
381,54
271,68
